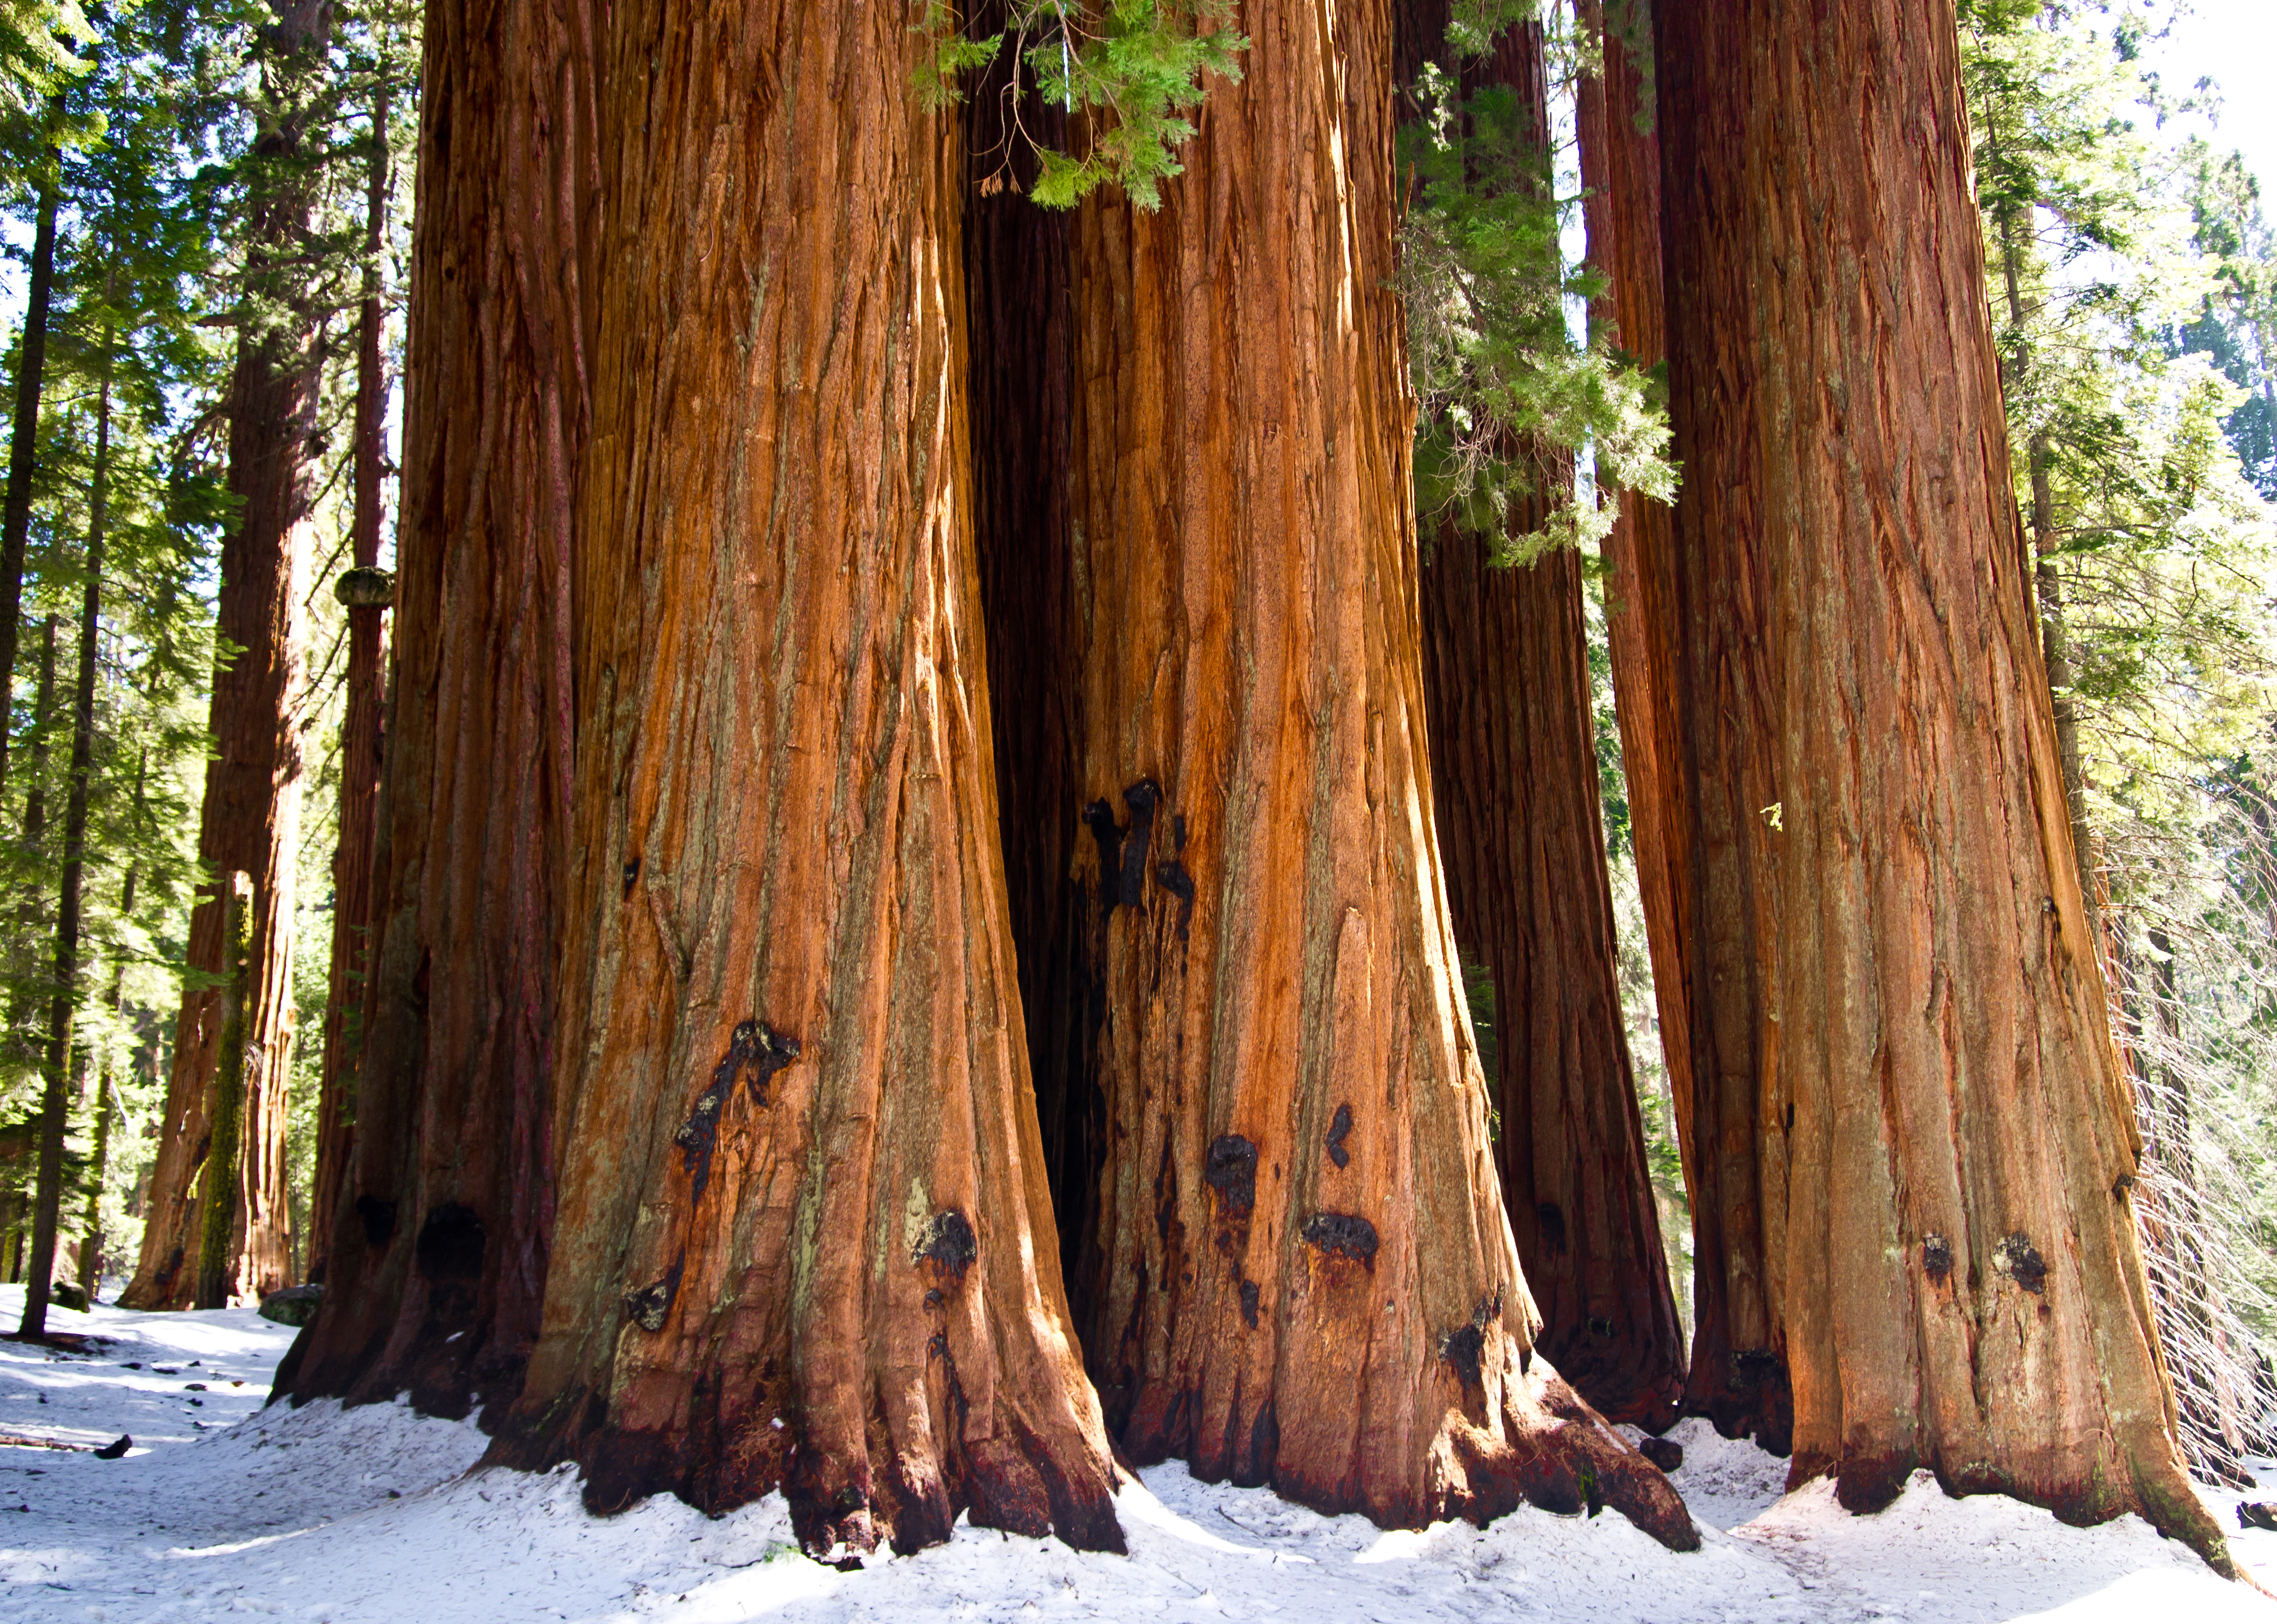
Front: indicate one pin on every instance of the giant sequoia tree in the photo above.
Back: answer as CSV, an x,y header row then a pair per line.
x,y
1299,1271
251,818
1944,1138
438,1238
804,1238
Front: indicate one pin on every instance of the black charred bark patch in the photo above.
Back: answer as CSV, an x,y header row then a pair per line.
x,y
754,1048
1464,1348
950,1246
1249,1303
2023,1263
450,1245
1338,1234
1666,1453
378,1217
1099,818
1231,1172
1172,877
632,875
1936,1259
1753,1367
1600,1326
1551,1219
1340,1128
1141,798
649,1307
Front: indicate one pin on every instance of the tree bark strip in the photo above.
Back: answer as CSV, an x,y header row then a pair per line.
x,y
223,1168
805,1236
1304,1274
361,729
1956,1268
436,1256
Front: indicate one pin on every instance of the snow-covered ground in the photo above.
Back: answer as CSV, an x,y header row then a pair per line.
x,y
370,1514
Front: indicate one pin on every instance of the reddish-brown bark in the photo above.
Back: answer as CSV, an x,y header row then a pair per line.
x,y
250,821
363,590
804,1239
1514,773
438,1253
1303,1273
1951,1254
1514,770
1682,618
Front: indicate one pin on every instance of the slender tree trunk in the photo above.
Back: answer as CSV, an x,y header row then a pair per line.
x,y
804,1239
1514,778
1956,1267
251,818
2193,1321
106,1117
435,1254
364,590
24,435
24,1007
55,1104
224,1161
1304,1274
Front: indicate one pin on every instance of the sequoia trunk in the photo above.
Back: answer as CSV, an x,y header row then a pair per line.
x,y
435,1263
1683,619
251,817
1514,775
804,1237
364,590
1302,1272
1956,1270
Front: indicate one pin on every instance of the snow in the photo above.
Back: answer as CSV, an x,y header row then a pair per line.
x,y
373,1514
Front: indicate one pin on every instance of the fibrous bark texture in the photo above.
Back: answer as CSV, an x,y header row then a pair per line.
x,y
1514,773
804,1237
1303,1273
1956,1267
251,817
1514,768
361,734
1683,620
438,1251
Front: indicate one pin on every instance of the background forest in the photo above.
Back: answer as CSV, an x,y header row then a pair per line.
x,y
146,153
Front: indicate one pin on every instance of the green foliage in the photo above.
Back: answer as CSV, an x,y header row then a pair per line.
x,y
1506,395
1130,70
